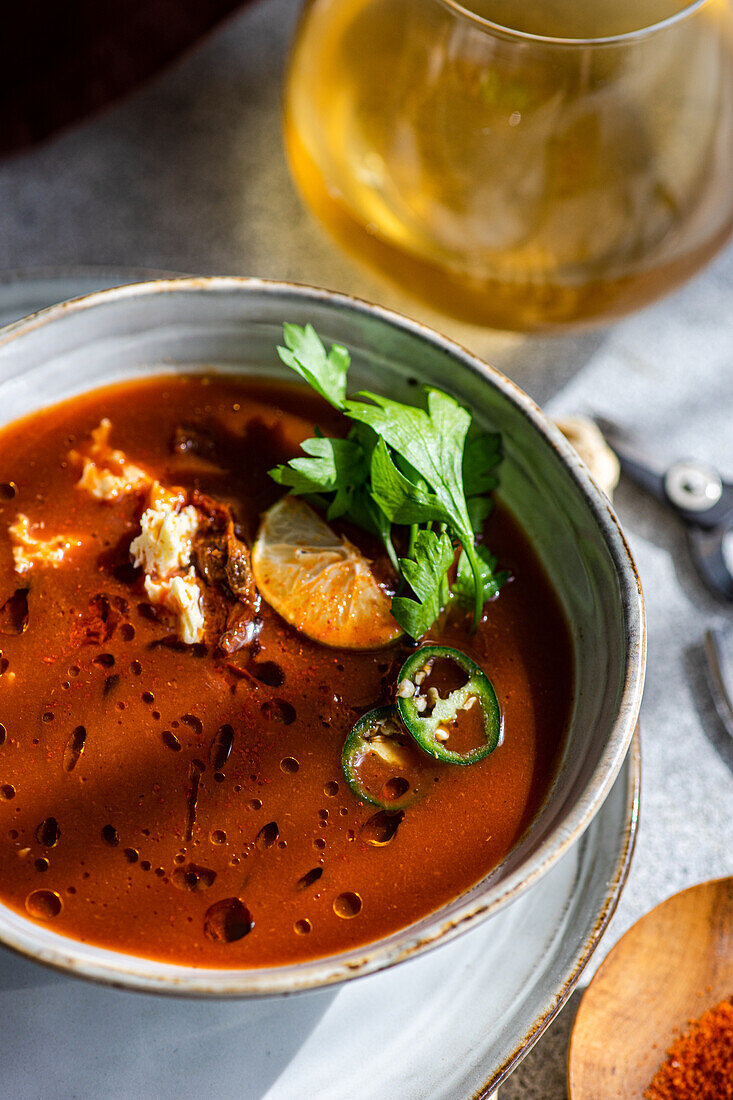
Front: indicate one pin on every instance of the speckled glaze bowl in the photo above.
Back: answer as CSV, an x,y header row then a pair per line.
x,y
234,324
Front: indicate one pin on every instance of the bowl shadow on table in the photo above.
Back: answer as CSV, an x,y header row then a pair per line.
x,y
196,206
141,1044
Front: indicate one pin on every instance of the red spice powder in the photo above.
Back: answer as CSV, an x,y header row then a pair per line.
x,y
699,1064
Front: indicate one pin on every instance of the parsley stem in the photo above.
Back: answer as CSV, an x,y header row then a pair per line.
x,y
444,584
478,582
391,553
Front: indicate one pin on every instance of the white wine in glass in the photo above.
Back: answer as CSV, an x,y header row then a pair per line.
x,y
525,164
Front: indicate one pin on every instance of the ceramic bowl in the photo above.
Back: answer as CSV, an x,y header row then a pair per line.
x,y
234,324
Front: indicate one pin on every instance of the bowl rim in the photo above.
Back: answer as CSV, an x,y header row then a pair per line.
x,y
434,929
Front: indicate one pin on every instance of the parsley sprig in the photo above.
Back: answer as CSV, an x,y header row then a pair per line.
x,y
401,466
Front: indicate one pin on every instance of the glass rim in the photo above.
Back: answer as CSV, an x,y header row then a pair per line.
x,y
459,8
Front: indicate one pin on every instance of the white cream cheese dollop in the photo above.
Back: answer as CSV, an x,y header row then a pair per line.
x,y
166,535
106,474
30,550
182,596
162,550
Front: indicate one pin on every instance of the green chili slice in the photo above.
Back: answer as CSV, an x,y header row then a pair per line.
x,y
380,763
434,720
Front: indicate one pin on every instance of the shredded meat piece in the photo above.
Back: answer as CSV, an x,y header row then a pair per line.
x,y
209,555
189,440
223,561
198,452
97,624
238,570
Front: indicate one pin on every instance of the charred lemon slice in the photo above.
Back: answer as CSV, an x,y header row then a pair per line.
x,y
320,583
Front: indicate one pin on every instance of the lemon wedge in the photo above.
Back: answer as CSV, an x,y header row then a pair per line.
x,y
319,582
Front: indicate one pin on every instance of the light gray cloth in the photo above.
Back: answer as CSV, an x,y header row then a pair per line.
x,y
189,175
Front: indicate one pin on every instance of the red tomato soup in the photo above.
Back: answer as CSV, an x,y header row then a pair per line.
x,y
170,770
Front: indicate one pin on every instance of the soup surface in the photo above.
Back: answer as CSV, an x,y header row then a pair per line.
x,y
188,804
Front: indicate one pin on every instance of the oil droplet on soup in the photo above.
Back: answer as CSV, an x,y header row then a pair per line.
x,y
268,672
347,905
192,877
395,788
43,904
278,710
227,921
267,835
309,878
74,748
221,747
381,828
14,613
48,833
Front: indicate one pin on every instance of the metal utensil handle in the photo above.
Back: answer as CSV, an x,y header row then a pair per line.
x,y
708,552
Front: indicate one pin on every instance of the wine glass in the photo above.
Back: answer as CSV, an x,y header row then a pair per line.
x,y
524,164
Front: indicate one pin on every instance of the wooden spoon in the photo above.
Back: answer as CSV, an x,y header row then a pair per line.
x,y
674,964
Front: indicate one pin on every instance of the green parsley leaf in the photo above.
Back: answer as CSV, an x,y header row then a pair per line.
x,y
334,466
364,510
366,513
481,456
464,586
433,556
305,354
402,501
479,510
433,443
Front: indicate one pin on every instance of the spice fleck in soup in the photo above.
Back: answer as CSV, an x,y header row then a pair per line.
x,y
266,693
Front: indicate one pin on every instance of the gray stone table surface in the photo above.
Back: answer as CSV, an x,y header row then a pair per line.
x,y
189,175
